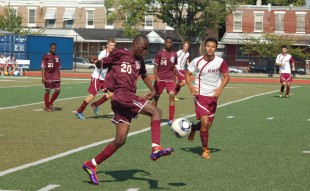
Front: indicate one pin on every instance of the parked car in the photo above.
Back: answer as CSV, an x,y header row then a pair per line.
x,y
235,69
299,71
259,68
82,63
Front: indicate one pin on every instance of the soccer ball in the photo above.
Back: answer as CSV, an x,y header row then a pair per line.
x,y
6,73
181,127
16,73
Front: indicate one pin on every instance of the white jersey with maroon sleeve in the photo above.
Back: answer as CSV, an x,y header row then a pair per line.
x,y
208,74
182,59
286,59
100,73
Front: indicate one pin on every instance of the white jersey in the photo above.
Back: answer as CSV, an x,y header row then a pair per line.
x,y
100,73
208,74
10,60
2,60
182,60
286,59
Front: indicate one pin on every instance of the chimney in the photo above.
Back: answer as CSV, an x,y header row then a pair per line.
x,y
259,2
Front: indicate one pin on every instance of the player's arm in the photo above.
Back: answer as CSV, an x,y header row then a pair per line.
x,y
225,80
292,61
43,70
190,86
147,80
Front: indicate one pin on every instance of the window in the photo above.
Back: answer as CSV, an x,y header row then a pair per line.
x,y
148,22
258,21
279,21
68,24
237,22
68,18
240,56
50,23
301,22
31,17
109,19
90,18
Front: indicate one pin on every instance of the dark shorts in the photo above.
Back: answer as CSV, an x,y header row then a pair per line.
x,y
52,85
286,77
161,85
181,75
126,105
95,86
205,105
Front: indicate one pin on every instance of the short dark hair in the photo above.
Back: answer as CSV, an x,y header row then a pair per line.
x,y
139,37
211,39
283,46
168,37
53,43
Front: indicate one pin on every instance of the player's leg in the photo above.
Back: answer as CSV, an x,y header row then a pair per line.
x,y
120,139
159,87
86,101
46,98
55,94
194,128
170,86
206,124
155,114
103,99
288,88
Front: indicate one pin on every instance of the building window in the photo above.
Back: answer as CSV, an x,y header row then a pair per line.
x,y
109,19
279,22
148,22
68,24
31,17
301,22
50,23
258,21
240,56
237,22
90,18
68,18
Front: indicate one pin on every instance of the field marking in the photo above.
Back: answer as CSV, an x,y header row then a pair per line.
x,y
306,152
270,118
39,85
109,140
49,187
230,117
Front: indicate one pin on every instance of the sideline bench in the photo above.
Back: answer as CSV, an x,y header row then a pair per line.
x,y
22,65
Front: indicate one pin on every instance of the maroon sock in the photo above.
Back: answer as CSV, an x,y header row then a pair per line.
x,y
106,153
101,101
155,131
288,90
204,136
46,100
82,107
171,112
54,97
196,126
282,88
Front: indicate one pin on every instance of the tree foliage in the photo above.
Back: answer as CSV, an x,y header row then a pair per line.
x,y
11,22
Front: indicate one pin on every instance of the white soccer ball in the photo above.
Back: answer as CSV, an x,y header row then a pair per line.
x,y
181,127
16,73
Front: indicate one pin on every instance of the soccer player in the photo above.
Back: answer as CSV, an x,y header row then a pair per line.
x,y
207,89
97,83
285,61
183,61
125,66
165,75
10,63
2,64
51,76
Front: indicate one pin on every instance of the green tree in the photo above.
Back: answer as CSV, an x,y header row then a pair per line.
x,y
10,21
287,2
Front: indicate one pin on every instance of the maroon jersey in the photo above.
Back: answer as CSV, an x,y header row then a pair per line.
x,y
124,70
166,62
51,64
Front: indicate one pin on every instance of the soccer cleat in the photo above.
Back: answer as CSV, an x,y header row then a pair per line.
x,y
177,99
170,122
280,95
79,115
205,153
92,173
47,109
159,152
191,135
95,108
52,107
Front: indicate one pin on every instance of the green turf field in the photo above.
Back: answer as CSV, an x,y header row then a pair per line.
x,y
260,142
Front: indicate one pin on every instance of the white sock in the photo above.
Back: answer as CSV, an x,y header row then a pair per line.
x,y
154,145
94,162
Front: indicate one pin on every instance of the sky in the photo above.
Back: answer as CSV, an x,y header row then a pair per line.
x,y
308,2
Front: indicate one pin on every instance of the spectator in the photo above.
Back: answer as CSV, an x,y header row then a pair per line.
x,y
11,64
2,64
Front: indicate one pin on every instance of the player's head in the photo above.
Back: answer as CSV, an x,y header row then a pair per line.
x,y
185,46
53,48
284,49
11,55
168,43
210,46
110,45
140,45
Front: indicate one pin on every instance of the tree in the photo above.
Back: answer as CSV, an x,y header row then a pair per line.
x,y
10,21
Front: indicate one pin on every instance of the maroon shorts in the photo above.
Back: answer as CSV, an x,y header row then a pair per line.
x,y
205,105
95,86
181,75
52,85
286,77
10,65
161,85
1,66
126,105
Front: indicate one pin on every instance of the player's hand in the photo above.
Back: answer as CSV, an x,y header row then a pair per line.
x,y
43,80
293,69
217,93
150,95
193,90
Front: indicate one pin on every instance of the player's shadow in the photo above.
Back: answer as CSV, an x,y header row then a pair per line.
x,y
105,116
134,174
58,108
198,150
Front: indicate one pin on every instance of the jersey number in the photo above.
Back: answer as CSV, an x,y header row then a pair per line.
x,y
126,68
163,62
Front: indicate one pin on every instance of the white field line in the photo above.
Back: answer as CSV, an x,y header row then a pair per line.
x,y
109,140
39,85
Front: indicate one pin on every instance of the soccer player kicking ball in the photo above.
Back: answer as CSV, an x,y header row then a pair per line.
x,y
125,66
208,87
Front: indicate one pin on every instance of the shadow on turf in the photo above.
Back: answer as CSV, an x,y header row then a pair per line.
x,y
106,116
198,150
134,174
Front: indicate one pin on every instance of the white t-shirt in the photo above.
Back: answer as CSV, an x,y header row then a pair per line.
x,y
10,60
100,73
208,74
182,60
286,59
2,60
